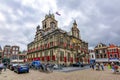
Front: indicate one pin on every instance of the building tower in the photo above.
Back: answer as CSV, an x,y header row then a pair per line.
x,y
75,30
49,22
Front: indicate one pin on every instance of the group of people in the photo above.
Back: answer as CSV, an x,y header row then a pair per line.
x,y
114,67
97,66
100,66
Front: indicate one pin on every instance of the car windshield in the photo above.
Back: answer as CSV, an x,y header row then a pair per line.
x,y
78,63
15,64
22,65
36,62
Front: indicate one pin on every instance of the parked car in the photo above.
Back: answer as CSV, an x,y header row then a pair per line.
x,y
56,66
20,68
8,66
35,64
78,64
12,66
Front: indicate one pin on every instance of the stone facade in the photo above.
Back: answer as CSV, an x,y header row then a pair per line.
x,y
56,45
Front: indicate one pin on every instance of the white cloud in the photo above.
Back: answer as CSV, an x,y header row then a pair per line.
x,y
41,5
20,12
2,17
103,27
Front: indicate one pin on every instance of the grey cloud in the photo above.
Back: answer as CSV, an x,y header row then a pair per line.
x,y
99,12
102,24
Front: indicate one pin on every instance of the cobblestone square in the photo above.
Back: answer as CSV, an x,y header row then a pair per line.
x,y
87,74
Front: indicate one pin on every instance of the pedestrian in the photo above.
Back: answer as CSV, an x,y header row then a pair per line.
x,y
116,68
112,67
102,66
92,65
109,66
98,66
1,67
5,65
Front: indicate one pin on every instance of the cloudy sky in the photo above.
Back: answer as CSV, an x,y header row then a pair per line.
x,y
98,20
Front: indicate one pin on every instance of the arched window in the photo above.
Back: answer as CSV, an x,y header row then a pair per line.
x,y
44,26
52,25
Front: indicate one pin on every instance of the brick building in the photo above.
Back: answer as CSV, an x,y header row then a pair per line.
x,y
14,53
106,53
113,53
7,51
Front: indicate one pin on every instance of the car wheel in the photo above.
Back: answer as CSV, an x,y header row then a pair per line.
x,y
17,72
28,71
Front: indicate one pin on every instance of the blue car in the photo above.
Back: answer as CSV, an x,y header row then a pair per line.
x,y
36,64
20,68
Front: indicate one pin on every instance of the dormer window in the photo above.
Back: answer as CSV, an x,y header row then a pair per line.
x,y
100,45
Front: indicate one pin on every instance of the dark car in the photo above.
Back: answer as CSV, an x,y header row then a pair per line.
x,y
12,66
78,64
8,66
20,68
56,67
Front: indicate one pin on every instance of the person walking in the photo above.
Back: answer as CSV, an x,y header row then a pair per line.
x,y
112,66
115,68
97,66
102,66
1,67
92,66
5,65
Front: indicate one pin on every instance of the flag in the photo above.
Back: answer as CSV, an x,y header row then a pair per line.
x,y
58,13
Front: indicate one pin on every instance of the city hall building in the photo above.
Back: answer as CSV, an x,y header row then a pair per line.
x,y
52,44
